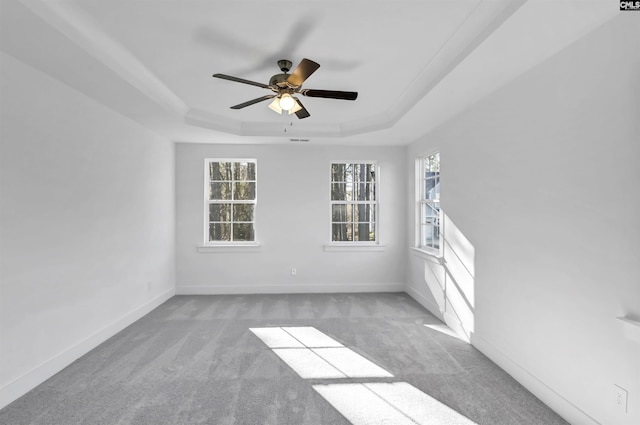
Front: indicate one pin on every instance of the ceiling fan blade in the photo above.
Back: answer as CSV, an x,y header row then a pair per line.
x,y
241,80
302,112
304,69
331,94
251,102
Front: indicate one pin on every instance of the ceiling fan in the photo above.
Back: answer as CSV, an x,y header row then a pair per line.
x,y
286,86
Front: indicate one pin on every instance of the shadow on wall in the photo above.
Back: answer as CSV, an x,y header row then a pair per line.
x,y
451,280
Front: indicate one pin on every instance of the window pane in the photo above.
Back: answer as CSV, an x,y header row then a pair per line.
x,y
219,232
363,173
243,232
220,170
338,192
243,212
364,213
244,191
364,192
432,177
348,172
364,232
342,172
430,226
432,163
430,236
353,192
219,212
244,171
341,232
349,192
220,191
350,212
429,202
432,186
339,212
430,212
337,172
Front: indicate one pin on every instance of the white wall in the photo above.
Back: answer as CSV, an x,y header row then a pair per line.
x,y
542,179
292,223
87,225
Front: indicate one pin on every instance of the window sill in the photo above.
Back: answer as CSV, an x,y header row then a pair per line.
x,y
428,255
352,248
204,249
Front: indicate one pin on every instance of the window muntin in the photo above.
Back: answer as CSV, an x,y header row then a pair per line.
x,y
230,198
430,235
354,202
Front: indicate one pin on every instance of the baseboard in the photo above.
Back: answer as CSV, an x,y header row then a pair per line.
x,y
288,288
25,383
424,301
563,407
447,318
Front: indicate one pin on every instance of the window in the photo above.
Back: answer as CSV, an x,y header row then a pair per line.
x,y
230,201
354,202
429,217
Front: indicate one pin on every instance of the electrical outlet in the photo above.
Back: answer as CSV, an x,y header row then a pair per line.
x,y
621,398
293,271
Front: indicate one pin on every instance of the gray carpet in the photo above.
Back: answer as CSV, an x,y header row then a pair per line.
x,y
193,360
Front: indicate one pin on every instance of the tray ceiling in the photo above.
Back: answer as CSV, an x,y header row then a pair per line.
x,y
413,63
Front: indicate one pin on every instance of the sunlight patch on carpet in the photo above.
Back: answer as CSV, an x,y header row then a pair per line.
x,y
419,406
276,338
351,363
307,364
361,406
389,404
311,337
314,355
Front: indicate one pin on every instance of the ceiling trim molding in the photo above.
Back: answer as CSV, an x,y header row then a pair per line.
x,y
86,33
485,19
205,119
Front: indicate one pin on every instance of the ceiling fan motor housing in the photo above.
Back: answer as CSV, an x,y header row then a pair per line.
x,y
280,80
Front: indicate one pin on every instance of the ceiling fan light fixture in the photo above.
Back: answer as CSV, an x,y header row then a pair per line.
x,y
275,106
296,107
287,102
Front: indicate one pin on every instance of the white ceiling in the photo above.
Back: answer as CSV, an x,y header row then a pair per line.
x,y
414,64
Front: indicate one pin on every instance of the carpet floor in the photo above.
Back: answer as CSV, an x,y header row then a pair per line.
x,y
194,360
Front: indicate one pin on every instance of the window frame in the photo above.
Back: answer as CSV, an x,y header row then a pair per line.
x,y
423,201
375,203
208,202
